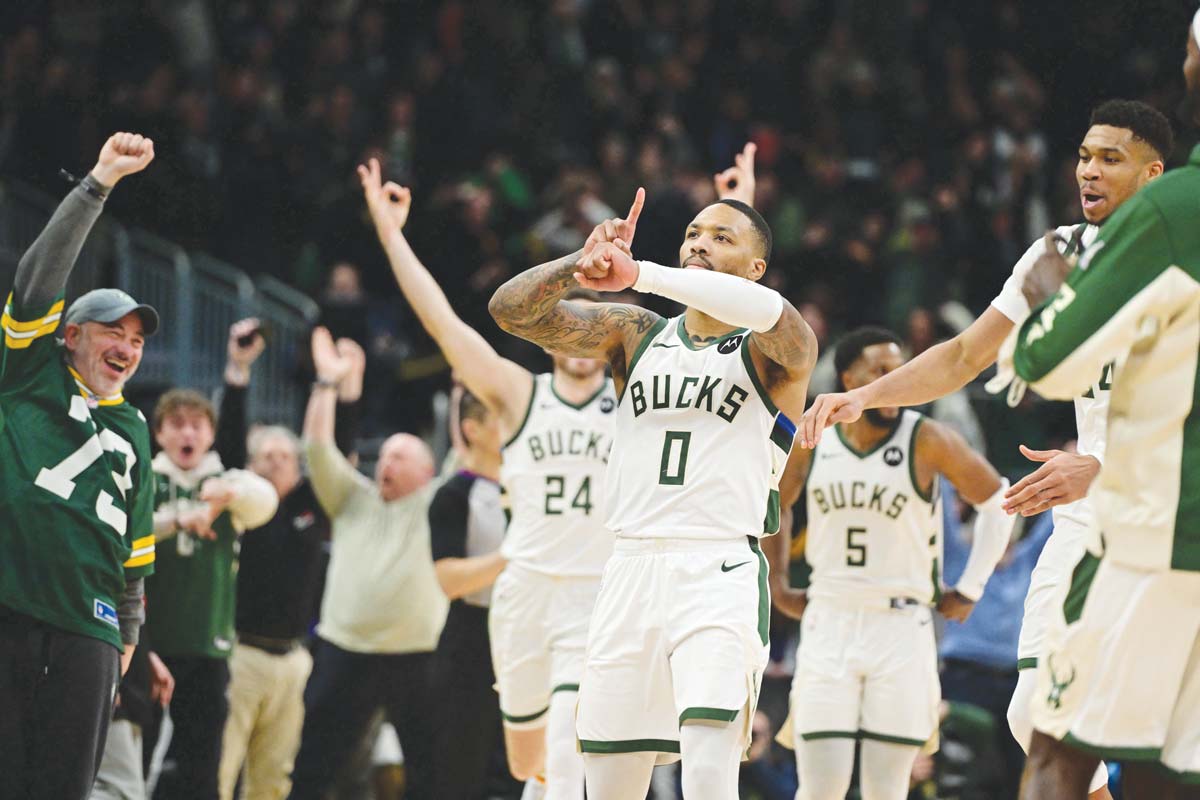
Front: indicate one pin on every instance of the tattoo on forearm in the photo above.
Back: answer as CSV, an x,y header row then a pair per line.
x,y
790,344
530,305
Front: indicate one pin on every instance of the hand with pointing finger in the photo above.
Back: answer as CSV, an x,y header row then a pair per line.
x,y
1062,478
615,231
608,268
389,203
826,410
737,182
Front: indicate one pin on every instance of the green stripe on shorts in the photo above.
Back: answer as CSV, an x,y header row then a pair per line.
x,y
1114,753
629,746
523,718
1081,584
764,594
705,712
565,687
1026,663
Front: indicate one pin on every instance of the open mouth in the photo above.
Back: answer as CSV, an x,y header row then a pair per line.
x,y
1091,199
116,365
187,450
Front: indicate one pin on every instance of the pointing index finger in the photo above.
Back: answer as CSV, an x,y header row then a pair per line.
x,y
635,210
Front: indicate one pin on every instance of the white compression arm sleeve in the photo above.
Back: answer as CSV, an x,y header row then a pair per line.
x,y
993,527
728,298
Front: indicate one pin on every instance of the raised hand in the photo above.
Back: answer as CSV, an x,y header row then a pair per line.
x,y
616,230
123,154
331,366
1062,478
351,386
609,268
737,182
826,410
242,356
389,203
1047,273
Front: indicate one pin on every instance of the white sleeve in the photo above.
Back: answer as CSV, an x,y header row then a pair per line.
x,y
993,527
728,298
1011,301
255,500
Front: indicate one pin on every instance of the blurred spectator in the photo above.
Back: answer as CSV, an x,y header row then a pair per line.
x,y
383,609
201,508
768,773
281,571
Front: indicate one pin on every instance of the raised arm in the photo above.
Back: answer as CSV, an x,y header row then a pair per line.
x,y
501,384
940,450
531,305
941,370
42,273
333,478
245,345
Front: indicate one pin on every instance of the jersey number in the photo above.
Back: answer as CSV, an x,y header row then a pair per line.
x,y
556,490
856,552
60,479
673,468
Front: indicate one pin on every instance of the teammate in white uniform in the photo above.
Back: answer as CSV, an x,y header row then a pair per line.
x,y
1123,149
558,430
678,639
866,667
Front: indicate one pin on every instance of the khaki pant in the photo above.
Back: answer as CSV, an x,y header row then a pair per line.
x,y
266,713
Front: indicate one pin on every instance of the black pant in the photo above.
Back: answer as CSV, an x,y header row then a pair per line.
x,y
343,692
56,699
198,710
990,689
470,761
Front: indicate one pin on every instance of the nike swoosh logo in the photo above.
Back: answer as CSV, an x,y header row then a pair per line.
x,y
666,346
726,568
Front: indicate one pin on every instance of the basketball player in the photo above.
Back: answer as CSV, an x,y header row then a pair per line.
x,y
866,667
1122,151
1120,674
557,430
678,639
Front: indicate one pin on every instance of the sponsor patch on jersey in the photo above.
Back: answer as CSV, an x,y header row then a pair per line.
x,y
222,644
730,345
105,613
893,456
607,404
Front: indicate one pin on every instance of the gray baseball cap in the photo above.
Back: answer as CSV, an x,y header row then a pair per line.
x,y
109,305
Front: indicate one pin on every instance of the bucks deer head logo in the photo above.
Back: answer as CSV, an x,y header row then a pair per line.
x,y
1058,685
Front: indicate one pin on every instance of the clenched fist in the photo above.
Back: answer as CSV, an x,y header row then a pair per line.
x,y
123,154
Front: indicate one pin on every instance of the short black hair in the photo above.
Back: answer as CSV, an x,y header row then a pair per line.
x,y
1145,121
851,346
761,228
469,407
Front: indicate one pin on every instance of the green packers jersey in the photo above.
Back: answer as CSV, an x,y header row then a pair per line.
x,y
1134,297
76,488
190,599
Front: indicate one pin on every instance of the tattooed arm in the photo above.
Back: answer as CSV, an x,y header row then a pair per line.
x,y
784,357
531,306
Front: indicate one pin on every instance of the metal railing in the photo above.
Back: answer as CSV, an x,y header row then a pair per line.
x,y
197,296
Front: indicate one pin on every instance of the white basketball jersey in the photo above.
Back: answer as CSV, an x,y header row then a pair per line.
x,y
553,478
871,532
700,446
1091,410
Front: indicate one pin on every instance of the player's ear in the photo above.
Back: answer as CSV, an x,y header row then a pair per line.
x,y
757,268
1154,169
